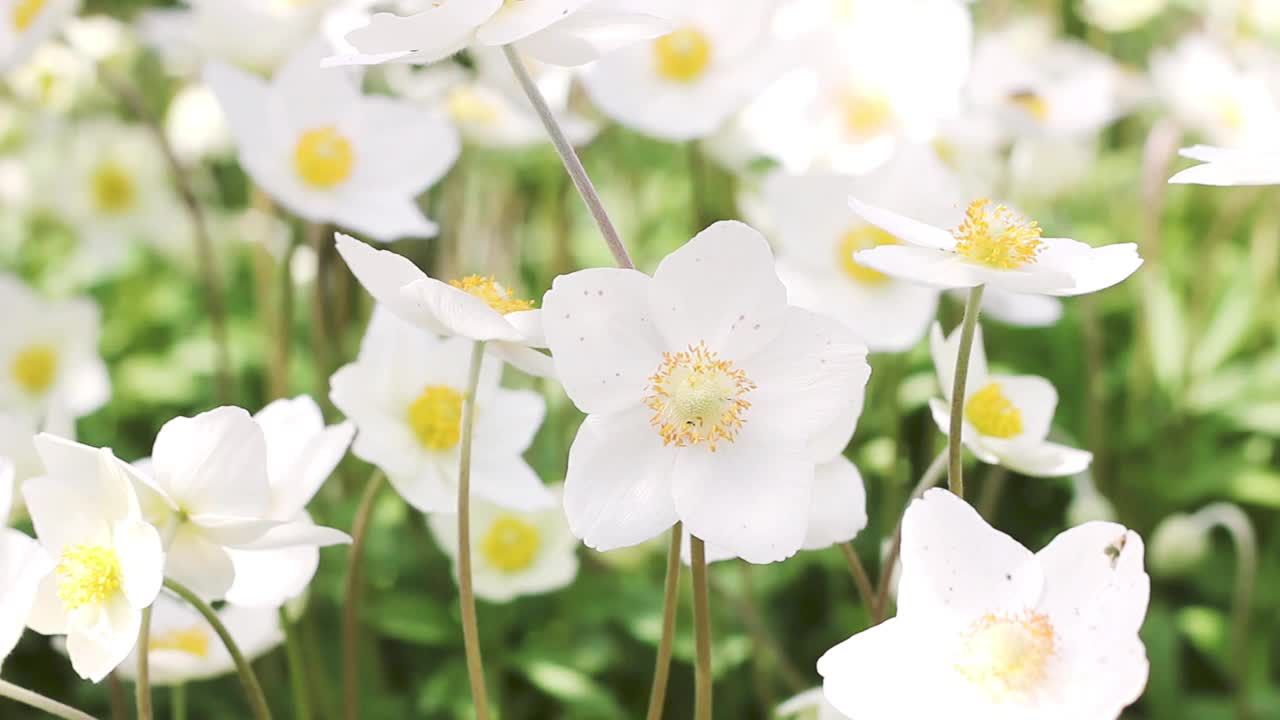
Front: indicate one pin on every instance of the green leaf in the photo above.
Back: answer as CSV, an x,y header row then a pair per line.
x,y
1168,331
581,695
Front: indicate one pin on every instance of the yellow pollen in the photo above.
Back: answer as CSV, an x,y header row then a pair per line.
x,y
995,236
35,367
511,544
862,237
697,398
436,417
991,412
88,574
1032,102
25,12
323,157
496,296
468,106
1007,655
865,113
682,55
192,641
114,190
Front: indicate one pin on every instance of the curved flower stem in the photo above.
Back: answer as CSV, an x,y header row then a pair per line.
x,y
955,477
178,702
142,683
252,688
670,602
931,477
569,156
702,630
40,702
1237,524
863,581
466,596
297,668
351,592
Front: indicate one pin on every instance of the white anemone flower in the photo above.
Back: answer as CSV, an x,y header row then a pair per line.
x,y
809,705
331,154
405,394
17,448
23,564
993,245
1122,15
1209,90
1006,417
513,553
215,30
110,561
25,24
474,307
994,631
54,78
1226,166
710,400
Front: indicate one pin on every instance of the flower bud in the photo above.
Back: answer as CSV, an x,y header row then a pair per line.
x,y
1179,543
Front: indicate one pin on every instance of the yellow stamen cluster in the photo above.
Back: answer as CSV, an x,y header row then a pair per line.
x,y
682,55
495,296
511,543
192,641
436,417
1032,102
113,189
992,413
323,157
865,113
697,398
25,12
995,236
468,106
35,367
88,574
862,237
1007,655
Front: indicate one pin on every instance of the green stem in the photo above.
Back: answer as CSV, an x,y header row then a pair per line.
x,y
955,476
992,489
178,701
351,592
40,702
1237,524
252,688
142,683
116,697
466,595
702,631
762,636
297,668
670,601
932,475
863,581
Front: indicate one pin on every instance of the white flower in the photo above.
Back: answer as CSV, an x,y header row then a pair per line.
x,y
216,30
49,353
17,432
514,553
25,24
109,560
1223,166
994,246
405,393
1006,417
1206,89
54,78
195,124
809,705
1122,15
301,454
330,154
986,629
475,307
709,399
23,563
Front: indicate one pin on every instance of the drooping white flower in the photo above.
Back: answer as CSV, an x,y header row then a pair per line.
x,y
25,24
110,561
1006,417
1225,166
993,631
808,705
216,29
709,399
405,394
331,154
23,564
514,553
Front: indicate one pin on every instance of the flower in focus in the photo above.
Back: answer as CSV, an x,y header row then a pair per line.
x,y
23,564
109,561
809,705
994,631
1232,102
215,30
1224,166
513,553
993,245
709,399
1006,417
330,154
25,24
405,394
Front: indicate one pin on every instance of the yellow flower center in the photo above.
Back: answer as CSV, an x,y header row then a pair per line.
x,y
496,296
192,641
436,417
682,55
697,398
1032,102
35,367
865,113
114,190
468,106
323,157
1229,112
862,237
511,544
995,236
87,574
992,413
1007,655
25,12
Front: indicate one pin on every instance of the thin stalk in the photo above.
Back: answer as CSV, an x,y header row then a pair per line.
x,y
117,698
931,477
297,668
992,489
761,635
1237,524
351,592
142,683
670,603
569,156
702,631
178,702
40,702
863,581
466,595
322,337
252,688
955,477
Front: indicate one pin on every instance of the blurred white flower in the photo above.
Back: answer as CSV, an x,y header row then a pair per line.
x,y
710,400
515,553
110,562
195,124
53,79
216,30
17,432
99,37
330,154
1223,166
23,564
1210,92
992,630
1043,169
405,393
1121,15
1179,543
809,705
1018,309
25,24
1006,417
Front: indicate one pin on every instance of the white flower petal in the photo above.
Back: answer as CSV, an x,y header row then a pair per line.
x,y
1021,309
904,228
141,562
434,34
94,657
525,359
597,29
201,565
214,462
1036,400
295,534
447,310
837,506
381,216
7,472
23,567
516,21
507,480
1039,459
428,490
270,578
941,412
507,420
945,351
382,273
927,266
63,515
878,674
1091,269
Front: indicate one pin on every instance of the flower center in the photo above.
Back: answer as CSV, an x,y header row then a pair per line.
x,y
1229,112
468,106
87,574
995,236
862,237
436,417
1007,655
511,544
25,12
865,113
113,189
323,157
1032,102
992,413
496,296
697,398
34,367
682,55
192,641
